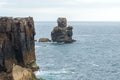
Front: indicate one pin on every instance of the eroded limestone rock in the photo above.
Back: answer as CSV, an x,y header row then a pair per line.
x,y
62,33
16,42
17,47
62,22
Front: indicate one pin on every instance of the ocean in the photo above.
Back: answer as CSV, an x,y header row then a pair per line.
x,y
94,56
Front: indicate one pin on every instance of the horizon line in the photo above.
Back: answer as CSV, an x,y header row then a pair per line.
x,y
77,21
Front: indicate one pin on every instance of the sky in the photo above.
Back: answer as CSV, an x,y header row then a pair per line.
x,y
73,10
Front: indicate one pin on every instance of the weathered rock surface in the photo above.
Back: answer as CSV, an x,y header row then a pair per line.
x,y
20,73
62,33
6,76
62,22
44,40
17,45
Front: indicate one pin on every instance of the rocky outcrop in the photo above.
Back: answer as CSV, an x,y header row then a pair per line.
x,y
44,40
17,44
62,33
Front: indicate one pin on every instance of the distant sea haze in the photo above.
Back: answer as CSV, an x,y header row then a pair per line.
x,y
94,56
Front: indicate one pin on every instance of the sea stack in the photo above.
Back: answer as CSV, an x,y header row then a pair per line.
x,y
17,48
62,33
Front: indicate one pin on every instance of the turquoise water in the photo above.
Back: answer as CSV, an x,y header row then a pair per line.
x,y
94,56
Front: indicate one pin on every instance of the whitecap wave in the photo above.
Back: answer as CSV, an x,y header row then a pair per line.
x,y
45,46
51,72
37,46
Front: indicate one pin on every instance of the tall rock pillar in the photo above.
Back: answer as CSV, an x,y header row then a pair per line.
x,y
17,42
62,33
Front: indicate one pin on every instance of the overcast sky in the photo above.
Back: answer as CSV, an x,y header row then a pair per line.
x,y
73,10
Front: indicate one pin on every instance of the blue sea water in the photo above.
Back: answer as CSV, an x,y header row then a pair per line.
x,y
94,56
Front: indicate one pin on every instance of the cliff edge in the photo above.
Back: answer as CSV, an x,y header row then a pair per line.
x,y
17,48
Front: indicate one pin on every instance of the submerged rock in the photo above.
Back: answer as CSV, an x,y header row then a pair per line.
x,y
17,44
62,33
41,79
44,40
35,40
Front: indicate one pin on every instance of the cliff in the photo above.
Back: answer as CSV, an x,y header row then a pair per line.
x,y
17,45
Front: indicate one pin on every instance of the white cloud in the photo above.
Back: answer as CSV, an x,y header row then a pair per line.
x,y
82,14
83,10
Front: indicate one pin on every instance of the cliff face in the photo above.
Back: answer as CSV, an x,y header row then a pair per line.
x,y
17,43
62,33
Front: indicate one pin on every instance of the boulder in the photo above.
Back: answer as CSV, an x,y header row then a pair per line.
x,y
44,40
62,33
20,73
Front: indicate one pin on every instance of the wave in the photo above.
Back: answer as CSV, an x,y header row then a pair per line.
x,y
55,72
37,46
45,46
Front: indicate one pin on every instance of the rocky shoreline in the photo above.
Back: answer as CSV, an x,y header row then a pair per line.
x,y
17,46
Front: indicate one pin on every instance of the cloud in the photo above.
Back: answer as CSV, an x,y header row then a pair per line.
x,y
62,3
77,14
85,10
